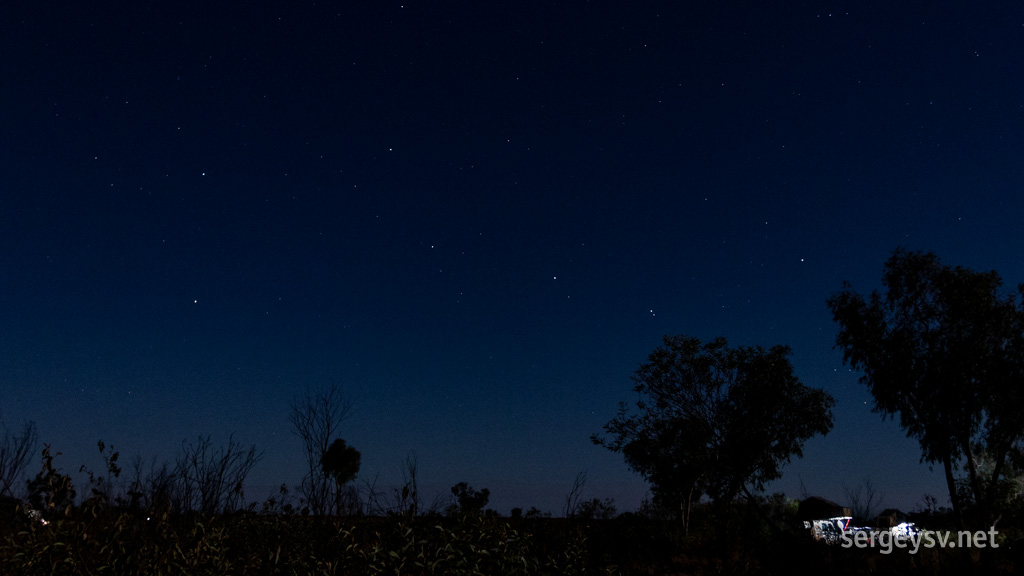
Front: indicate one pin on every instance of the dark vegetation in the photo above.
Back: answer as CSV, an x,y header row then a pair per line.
x,y
942,350
715,421
117,534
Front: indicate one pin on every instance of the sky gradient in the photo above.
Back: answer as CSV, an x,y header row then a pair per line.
x,y
477,221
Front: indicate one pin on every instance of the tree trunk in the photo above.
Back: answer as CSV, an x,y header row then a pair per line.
x,y
686,512
992,489
947,465
972,474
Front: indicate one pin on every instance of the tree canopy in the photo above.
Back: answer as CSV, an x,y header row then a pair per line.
x,y
714,420
341,462
942,349
470,501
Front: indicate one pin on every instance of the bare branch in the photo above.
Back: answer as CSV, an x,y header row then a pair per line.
x,y
316,418
213,481
14,453
572,499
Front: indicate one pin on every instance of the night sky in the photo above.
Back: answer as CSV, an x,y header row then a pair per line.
x,y
478,220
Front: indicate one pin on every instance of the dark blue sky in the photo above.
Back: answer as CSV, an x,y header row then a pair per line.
x,y
478,221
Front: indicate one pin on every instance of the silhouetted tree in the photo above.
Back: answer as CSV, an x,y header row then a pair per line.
x,y
316,418
101,491
341,463
863,500
942,348
211,480
51,491
534,512
572,499
470,501
715,420
405,500
653,509
409,496
153,489
596,509
14,453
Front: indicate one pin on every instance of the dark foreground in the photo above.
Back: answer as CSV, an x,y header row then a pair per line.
x,y
90,540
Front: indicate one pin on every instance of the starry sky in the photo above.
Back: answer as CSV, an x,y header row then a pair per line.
x,y
477,219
